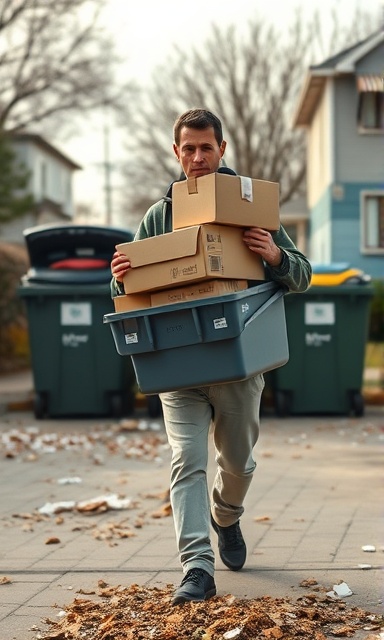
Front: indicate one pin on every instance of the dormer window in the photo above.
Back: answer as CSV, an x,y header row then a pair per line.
x,y
371,103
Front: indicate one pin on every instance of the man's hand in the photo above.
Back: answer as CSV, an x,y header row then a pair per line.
x,y
261,242
120,265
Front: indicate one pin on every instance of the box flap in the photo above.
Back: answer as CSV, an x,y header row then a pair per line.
x,y
169,246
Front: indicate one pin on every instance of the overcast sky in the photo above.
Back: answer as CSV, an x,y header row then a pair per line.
x,y
146,30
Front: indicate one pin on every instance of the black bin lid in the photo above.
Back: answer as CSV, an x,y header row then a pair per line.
x,y
72,253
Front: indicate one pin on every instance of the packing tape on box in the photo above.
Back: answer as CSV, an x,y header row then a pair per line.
x,y
246,188
192,185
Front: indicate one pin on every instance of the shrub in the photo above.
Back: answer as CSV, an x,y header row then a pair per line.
x,y
376,319
14,350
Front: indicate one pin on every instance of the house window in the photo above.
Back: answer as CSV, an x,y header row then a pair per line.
x,y
373,223
372,110
371,103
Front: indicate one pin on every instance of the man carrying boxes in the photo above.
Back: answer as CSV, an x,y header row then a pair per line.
x,y
262,250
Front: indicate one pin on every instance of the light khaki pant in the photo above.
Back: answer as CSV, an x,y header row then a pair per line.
x,y
233,411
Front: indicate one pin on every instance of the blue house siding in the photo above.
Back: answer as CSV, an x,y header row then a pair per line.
x,y
344,236
335,229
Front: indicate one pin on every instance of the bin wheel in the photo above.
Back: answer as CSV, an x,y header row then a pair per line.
x,y
40,405
154,406
282,403
357,404
116,405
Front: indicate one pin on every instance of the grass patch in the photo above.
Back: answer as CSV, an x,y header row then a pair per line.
x,y
374,355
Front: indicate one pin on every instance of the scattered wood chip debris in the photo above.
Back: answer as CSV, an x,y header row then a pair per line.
x,y
266,519
130,613
5,580
163,512
308,582
143,440
111,531
53,540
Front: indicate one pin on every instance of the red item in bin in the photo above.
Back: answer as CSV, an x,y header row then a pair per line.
x,y
80,263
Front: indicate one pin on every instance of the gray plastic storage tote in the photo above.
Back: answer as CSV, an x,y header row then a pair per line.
x,y
202,342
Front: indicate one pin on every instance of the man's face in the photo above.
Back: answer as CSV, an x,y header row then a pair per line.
x,y
198,152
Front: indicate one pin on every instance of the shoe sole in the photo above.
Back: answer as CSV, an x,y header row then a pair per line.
x,y
184,599
230,566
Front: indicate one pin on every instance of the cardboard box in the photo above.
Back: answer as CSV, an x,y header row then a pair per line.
x,y
132,302
204,289
225,199
189,255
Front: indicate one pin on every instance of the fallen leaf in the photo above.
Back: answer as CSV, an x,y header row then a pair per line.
x,y
164,511
52,540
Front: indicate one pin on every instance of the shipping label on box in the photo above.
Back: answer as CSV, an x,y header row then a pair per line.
x,y
204,289
224,199
189,255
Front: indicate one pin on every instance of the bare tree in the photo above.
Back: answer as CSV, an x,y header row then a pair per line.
x,y
251,79
53,61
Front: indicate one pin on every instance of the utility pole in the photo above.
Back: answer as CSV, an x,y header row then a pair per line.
x,y
107,170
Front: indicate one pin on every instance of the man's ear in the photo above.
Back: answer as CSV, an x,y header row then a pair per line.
x,y
176,151
222,148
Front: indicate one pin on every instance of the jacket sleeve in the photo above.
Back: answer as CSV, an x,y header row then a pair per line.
x,y
294,271
156,221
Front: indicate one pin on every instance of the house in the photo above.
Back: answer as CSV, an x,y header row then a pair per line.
x,y
341,105
50,183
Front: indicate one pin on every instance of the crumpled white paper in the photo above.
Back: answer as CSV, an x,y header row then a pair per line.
x,y
341,590
111,501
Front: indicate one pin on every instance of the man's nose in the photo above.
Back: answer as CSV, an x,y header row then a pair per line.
x,y
199,155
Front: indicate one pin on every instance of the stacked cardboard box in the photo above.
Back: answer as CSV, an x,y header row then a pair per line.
x,y
196,291
209,216
224,199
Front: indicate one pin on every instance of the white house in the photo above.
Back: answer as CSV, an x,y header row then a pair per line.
x,y
50,183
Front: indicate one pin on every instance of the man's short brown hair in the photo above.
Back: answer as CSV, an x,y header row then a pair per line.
x,y
198,119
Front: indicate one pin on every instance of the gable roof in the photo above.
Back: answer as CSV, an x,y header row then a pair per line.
x,y
41,142
343,62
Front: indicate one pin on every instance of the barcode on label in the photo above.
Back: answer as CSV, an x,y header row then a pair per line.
x,y
215,263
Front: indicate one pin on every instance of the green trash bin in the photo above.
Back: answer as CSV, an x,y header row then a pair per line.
x,y
76,370
327,330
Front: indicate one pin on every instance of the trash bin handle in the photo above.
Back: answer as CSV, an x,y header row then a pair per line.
x,y
278,294
149,332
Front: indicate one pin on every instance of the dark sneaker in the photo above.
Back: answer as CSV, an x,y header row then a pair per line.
x,y
232,547
197,585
